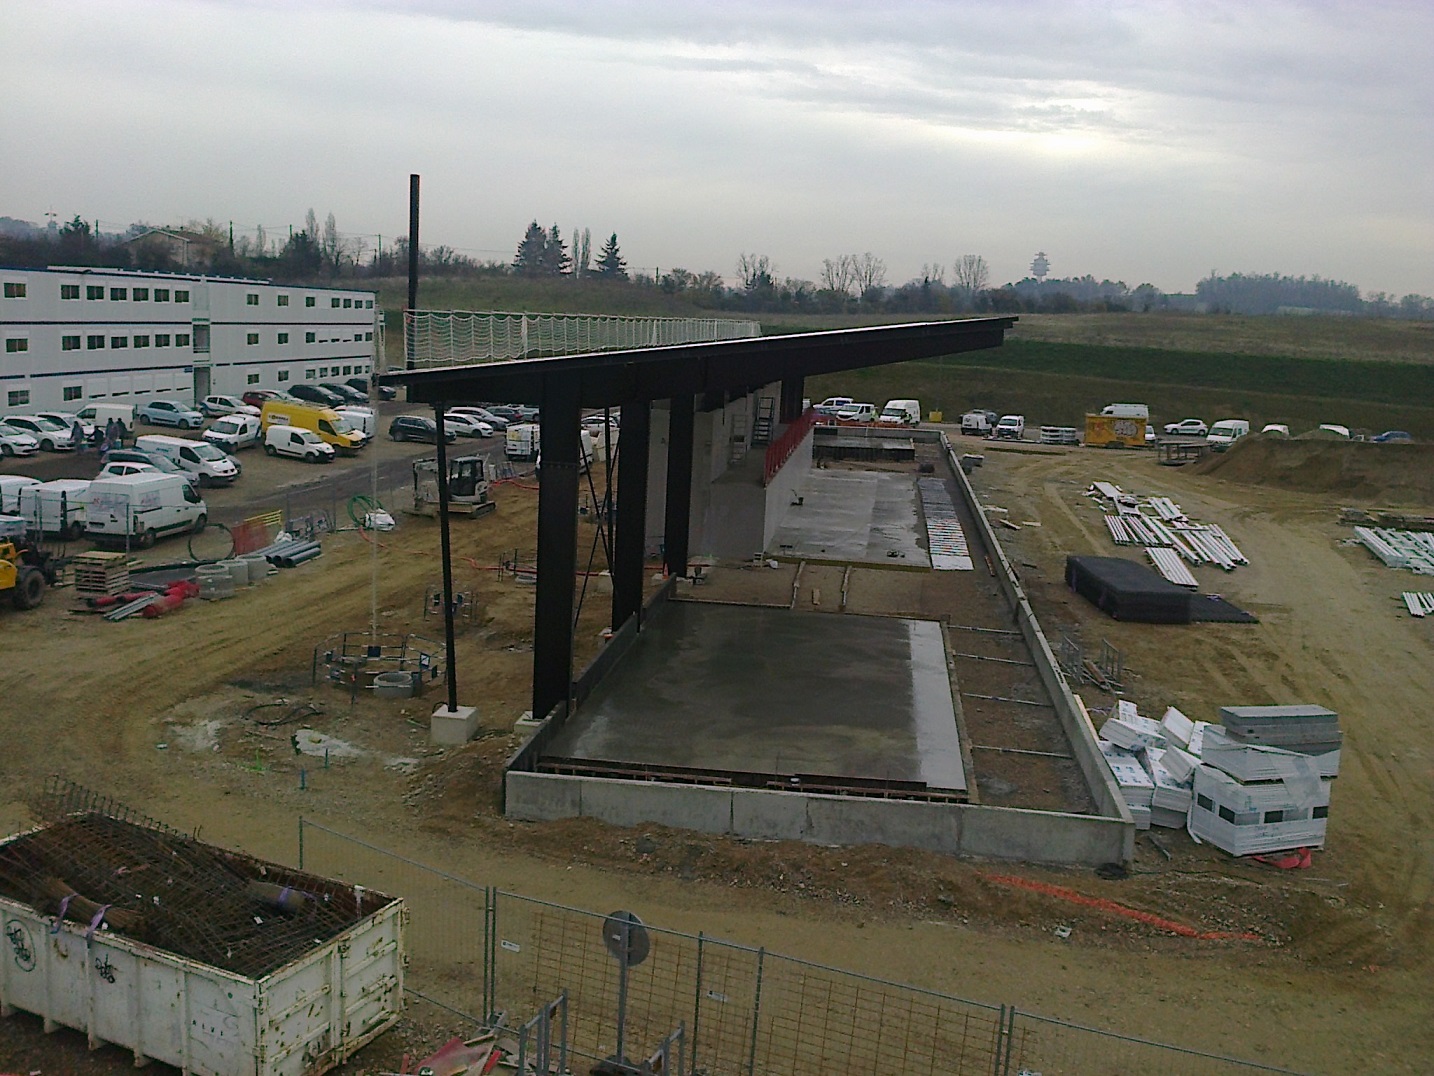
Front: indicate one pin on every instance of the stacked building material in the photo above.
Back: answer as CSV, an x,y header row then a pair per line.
x,y
1172,796
1126,728
945,540
1306,730
1413,550
1136,787
1418,603
1167,563
101,573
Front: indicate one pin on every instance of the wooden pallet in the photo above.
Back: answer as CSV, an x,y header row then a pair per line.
x,y
101,573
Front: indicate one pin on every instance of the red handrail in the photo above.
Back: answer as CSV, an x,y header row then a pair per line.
x,y
780,450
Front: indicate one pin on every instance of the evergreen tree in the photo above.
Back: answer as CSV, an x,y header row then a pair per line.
x,y
555,255
610,263
531,252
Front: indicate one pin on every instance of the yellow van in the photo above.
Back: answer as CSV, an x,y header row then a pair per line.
x,y
331,427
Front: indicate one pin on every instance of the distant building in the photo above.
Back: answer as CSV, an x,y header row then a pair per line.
x,y
180,248
70,336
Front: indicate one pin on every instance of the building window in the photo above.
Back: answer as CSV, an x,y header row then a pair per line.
x,y
251,379
181,296
14,290
181,339
1320,812
94,343
118,294
368,304
1274,816
161,295
251,339
19,399
348,370
282,300
334,302
161,339
308,338
201,339
94,291
71,392
309,374
251,299
283,375
16,344
69,343
368,336
309,300
141,295
141,341
119,341
69,291
283,338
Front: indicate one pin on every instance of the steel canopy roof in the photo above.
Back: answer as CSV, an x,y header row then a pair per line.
x,y
608,378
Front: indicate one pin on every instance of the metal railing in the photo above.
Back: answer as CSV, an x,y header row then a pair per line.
x,y
468,337
477,951
780,450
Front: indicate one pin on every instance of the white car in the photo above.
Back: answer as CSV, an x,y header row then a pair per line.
x,y
1190,427
500,425
68,419
857,412
832,404
466,425
51,435
16,442
214,406
115,470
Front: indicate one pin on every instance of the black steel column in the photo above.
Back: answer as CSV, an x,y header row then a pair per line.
x,y
627,568
791,410
677,526
557,544
446,544
408,340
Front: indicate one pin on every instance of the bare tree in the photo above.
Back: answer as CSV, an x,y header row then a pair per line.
x,y
971,275
839,276
311,224
755,271
870,272
331,245
934,273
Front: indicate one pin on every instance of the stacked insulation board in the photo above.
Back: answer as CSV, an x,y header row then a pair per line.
x,y
945,540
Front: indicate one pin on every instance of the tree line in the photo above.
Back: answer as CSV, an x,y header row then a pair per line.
x,y
848,283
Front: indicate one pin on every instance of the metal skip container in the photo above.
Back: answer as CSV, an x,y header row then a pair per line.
x,y
208,960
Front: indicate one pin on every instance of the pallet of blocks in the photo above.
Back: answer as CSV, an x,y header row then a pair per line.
x,y
101,573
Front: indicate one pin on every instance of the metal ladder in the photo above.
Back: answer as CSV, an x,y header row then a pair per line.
x,y
766,417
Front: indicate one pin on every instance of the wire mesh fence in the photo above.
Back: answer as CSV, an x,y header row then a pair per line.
x,y
479,950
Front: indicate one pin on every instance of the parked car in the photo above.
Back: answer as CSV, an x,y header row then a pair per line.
x,y
256,397
50,435
142,507
215,406
371,389
313,394
419,428
1226,432
466,425
299,443
1189,427
200,458
857,412
1275,429
114,469
233,432
347,393
100,414
978,423
1329,427
16,442
1390,437
499,424
1010,428
169,413
900,413
159,463
68,419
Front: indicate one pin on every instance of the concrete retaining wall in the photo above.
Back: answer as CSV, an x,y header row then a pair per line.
x,y
954,829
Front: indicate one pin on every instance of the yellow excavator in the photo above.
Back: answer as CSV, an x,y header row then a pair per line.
x,y
25,572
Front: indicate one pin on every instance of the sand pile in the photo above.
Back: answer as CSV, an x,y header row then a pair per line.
x,y
1397,474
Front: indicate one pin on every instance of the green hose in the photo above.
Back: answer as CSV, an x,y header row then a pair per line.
x,y
361,507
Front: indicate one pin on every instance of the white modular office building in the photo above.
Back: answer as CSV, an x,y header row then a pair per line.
x,y
72,336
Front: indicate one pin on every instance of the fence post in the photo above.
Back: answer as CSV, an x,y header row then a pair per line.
x,y
756,1013
301,842
490,934
697,1000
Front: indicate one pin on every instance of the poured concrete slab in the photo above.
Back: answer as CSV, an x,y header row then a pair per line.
x,y
737,690
861,517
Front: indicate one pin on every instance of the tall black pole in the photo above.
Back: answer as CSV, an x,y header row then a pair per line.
x,y
408,335
447,558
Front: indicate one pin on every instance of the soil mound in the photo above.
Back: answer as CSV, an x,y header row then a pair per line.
x,y
1401,474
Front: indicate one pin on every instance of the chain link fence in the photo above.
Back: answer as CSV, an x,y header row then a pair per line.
x,y
478,951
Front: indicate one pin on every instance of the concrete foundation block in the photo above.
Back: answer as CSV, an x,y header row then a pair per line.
x,y
542,797
450,727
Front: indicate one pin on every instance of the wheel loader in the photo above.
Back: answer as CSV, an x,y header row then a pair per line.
x,y
25,572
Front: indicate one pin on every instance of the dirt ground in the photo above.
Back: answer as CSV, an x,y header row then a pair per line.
x,y
157,713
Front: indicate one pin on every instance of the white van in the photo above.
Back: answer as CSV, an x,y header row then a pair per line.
x,y
361,418
100,414
140,508
1225,433
233,432
523,441
10,487
56,507
900,413
1127,410
295,441
1011,428
199,458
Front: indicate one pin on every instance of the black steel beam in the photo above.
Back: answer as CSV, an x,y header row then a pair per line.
x,y
557,544
731,366
676,529
630,545
792,389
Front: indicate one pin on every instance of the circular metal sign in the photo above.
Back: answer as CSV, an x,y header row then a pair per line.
x,y
626,938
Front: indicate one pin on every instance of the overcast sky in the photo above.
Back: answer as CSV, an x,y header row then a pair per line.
x,y
1135,141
